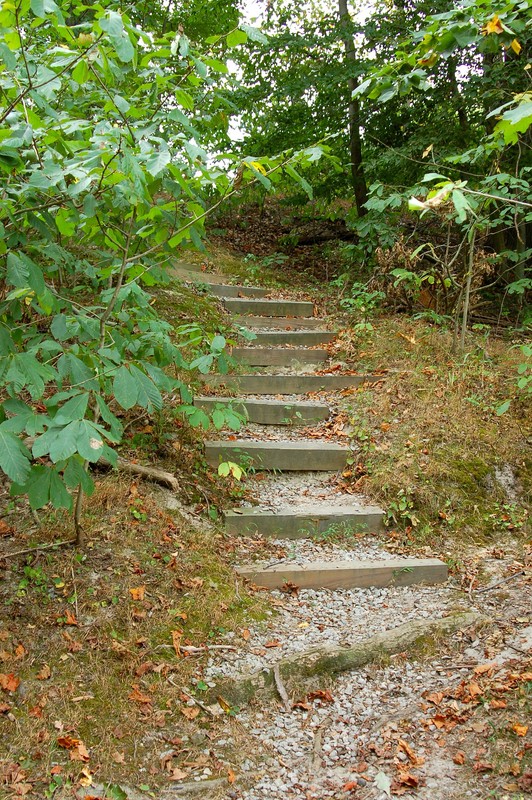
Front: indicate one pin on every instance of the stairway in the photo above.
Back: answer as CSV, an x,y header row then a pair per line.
x,y
290,337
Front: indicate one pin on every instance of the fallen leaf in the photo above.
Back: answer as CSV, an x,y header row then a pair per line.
x,y
519,729
9,683
231,777
190,712
245,634
138,593
459,757
79,753
483,766
273,643
20,651
321,694
70,618
86,777
177,635
178,774
138,697
119,758
224,704
412,757
44,673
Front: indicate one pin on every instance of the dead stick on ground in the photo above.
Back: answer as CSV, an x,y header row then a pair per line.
x,y
194,699
500,583
38,548
315,758
280,688
152,473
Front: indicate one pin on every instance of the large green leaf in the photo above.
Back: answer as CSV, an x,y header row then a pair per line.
x,y
14,456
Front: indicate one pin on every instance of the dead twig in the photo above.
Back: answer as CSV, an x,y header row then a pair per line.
x,y
280,688
500,583
38,548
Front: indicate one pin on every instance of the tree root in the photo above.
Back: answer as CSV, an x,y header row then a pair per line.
x,y
305,671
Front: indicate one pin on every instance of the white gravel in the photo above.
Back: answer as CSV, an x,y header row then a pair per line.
x,y
301,489
312,618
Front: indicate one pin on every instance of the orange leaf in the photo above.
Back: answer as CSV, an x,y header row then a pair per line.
x,y
20,651
459,757
138,593
9,683
138,697
410,753
273,643
68,742
176,641
245,634
493,26
520,730
70,618
231,777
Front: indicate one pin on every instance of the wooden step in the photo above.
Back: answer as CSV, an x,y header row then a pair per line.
x,y
270,308
216,284
278,356
303,454
297,338
287,384
282,323
269,412
348,574
224,290
303,522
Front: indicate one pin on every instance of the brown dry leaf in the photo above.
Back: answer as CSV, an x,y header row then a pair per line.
x,y
321,694
178,774
481,669
70,618
68,742
231,777
406,778
20,651
459,757
349,786
434,697
246,634
138,593
177,635
273,643
412,757
10,682
138,697
498,704
119,758
44,673
483,766
190,712
79,753
520,729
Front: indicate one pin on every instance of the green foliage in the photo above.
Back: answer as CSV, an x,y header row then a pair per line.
x,y
103,127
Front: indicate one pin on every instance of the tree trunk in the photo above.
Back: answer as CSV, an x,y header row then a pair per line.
x,y
355,140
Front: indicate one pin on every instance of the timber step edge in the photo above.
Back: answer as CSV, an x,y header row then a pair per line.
x,y
348,574
285,456
278,356
269,308
303,523
287,384
269,412
298,338
281,323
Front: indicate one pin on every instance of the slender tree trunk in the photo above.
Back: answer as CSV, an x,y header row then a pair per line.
x,y
355,140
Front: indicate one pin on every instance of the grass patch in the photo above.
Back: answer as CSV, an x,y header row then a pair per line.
x,y
93,640
432,450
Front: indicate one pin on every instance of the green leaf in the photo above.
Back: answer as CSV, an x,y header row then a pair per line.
x,y
503,408
14,456
148,395
236,37
218,419
125,388
156,162
254,34
74,408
